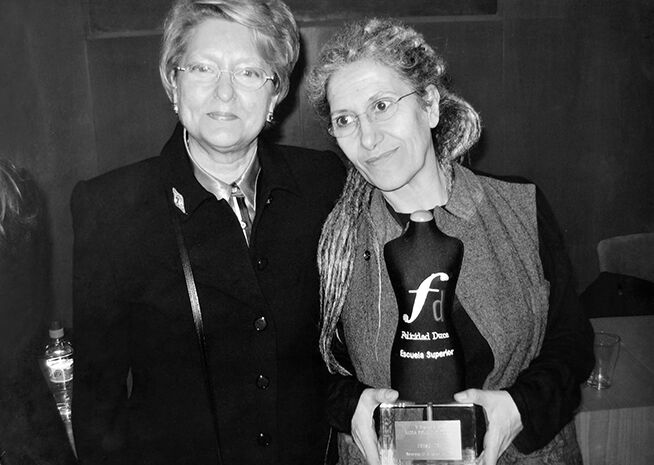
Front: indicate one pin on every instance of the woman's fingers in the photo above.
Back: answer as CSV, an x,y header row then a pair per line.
x,y
363,427
504,422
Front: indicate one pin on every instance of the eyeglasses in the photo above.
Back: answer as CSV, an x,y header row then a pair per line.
x,y
383,109
245,77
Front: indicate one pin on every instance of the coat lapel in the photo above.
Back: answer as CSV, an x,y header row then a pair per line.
x,y
219,255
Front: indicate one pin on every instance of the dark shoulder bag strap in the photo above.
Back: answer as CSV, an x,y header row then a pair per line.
x,y
199,327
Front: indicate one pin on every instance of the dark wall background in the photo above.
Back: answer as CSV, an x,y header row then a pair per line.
x,y
565,88
46,114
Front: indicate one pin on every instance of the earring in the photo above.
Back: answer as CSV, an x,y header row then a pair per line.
x,y
269,117
175,108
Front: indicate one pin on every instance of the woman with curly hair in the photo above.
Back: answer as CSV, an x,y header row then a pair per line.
x,y
527,346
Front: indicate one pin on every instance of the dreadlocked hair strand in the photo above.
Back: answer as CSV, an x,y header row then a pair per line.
x,y
336,255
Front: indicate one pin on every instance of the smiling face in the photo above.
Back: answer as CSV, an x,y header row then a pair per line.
x,y
396,156
222,120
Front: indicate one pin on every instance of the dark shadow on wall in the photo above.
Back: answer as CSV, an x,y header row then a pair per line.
x,y
284,110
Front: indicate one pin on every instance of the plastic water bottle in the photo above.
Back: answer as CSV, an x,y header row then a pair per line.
x,y
57,366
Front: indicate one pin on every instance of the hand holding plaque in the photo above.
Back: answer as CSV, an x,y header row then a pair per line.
x,y
426,426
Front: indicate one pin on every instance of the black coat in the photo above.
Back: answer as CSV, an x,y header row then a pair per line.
x,y
260,307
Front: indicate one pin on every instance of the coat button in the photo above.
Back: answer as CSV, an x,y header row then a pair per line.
x,y
269,200
262,263
263,382
366,255
264,439
260,323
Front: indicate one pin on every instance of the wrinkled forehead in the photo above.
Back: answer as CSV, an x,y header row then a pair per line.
x,y
355,85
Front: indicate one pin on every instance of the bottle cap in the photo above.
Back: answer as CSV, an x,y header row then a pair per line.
x,y
421,216
56,331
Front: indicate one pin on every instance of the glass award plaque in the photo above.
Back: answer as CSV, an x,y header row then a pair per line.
x,y
430,434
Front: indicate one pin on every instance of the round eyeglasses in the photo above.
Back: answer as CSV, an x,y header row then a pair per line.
x,y
344,124
245,77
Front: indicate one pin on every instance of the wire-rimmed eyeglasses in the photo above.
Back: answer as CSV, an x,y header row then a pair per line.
x,y
345,123
245,77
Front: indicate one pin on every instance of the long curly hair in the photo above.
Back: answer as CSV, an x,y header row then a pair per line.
x,y
19,206
391,43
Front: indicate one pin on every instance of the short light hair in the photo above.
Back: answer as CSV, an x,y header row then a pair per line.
x,y
273,27
391,43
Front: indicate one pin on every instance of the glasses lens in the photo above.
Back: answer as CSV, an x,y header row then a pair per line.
x,y
250,78
343,125
200,72
382,109
337,131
